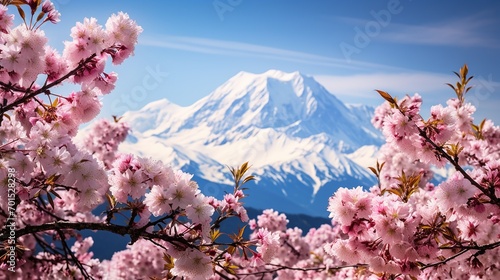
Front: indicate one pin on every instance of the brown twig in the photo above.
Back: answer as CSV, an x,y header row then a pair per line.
x,y
442,153
117,229
43,89
67,250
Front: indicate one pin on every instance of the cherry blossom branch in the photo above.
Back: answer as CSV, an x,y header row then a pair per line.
x,y
43,89
445,260
171,216
279,267
67,250
459,168
479,248
45,246
294,251
222,275
441,152
464,250
134,233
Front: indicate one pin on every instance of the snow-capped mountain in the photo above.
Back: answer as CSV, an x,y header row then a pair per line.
x,y
302,142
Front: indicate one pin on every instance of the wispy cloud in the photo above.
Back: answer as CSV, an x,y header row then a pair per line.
x,y
232,48
465,32
399,84
431,86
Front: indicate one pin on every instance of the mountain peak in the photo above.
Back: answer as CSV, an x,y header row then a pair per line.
x,y
271,73
270,99
289,103
281,75
262,80
271,83
294,132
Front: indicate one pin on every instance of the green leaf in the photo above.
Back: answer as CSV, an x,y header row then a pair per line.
x,y
481,125
15,2
231,269
21,12
386,96
475,127
420,264
373,170
233,171
381,166
49,197
403,175
52,179
40,16
111,200
231,250
214,234
396,192
37,194
244,168
242,230
249,178
56,194
116,119
464,70
169,262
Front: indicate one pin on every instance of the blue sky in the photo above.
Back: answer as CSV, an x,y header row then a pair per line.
x,y
188,48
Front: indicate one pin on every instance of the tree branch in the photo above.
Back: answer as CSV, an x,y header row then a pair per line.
x,y
459,168
67,250
117,229
43,89
278,267
464,250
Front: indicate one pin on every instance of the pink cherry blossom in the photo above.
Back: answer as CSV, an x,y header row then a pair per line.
x,y
411,224
193,264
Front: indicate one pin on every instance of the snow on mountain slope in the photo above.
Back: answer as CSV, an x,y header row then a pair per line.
x,y
365,156
300,139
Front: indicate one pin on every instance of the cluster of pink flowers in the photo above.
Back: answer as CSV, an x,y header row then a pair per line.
x,y
185,213
90,38
233,203
49,266
6,20
103,139
143,259
23,52
295,256
408,225
164,191
22,56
